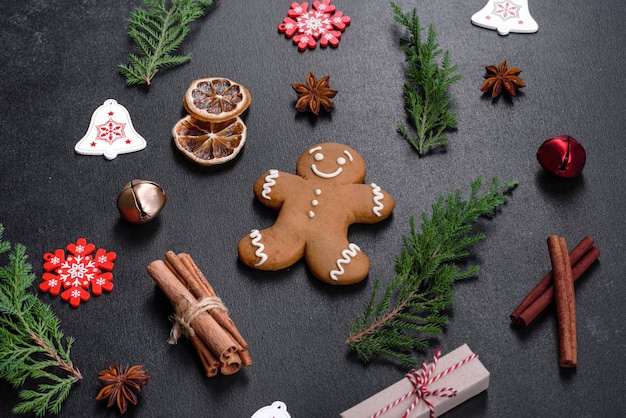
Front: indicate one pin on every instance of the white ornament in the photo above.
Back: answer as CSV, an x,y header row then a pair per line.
x,y
110,133
506,16
276,410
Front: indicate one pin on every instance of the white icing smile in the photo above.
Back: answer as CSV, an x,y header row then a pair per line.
x,y
326,175
319,157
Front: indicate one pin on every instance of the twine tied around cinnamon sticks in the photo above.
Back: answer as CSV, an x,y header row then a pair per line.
x,y
200,315
187,311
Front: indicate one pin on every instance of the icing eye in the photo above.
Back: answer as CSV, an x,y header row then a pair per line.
x,y
319,156
341,161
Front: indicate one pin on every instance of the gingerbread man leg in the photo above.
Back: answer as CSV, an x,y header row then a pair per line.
x,y
270,249
336,262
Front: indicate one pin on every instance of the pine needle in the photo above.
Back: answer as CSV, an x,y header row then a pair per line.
x,y
158,31
425,93
31,341
411,310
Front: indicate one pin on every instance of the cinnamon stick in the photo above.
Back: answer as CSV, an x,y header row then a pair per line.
x,y
176,265
201,288
204,326
209,362
581,258
565,301
220,316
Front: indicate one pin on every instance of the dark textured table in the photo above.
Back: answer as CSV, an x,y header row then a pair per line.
x,y
60,63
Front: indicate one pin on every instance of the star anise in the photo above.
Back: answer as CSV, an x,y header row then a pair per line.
x,y
501,76
314,94
122,386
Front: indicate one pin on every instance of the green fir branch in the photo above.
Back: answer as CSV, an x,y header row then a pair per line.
x,y
158,31
425,93
32,344
401,319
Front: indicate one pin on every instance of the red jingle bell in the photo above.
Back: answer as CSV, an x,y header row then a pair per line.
x,y
562,156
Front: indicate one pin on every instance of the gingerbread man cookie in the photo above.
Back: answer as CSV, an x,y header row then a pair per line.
x,y
317,205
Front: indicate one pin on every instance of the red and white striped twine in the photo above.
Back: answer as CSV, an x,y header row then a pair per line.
x,y
420,379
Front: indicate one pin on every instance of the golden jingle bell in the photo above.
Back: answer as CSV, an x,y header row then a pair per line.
x,y
140,201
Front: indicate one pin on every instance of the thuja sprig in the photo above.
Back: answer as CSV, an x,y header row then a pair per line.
x,y
158,30
426,100
411,310
32,344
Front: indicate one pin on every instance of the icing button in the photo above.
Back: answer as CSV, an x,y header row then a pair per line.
x,y
318,192
311,214
314,202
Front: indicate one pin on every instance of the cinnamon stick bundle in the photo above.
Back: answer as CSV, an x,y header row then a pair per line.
x,y
200,315
200,287
565,300
540,297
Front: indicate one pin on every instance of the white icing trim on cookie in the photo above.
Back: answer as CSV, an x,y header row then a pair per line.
x,y
346,255
255,235
269,183
378,196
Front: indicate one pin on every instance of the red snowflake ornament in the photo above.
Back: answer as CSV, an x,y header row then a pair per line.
x,y
321,23
78,271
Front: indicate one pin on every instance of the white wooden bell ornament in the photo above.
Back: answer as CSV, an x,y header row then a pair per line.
x,y
110,133
276,410
506,16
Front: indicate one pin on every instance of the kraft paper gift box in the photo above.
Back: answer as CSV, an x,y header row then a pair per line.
x,y
467,376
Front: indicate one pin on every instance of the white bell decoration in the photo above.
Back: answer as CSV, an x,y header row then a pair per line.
x,y
110,133
506,16
276,410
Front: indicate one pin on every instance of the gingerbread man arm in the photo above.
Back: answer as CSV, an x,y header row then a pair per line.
x,y
273,248
371,203
272,186
276,247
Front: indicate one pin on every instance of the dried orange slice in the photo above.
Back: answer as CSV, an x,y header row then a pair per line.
x,y
216,99
209,143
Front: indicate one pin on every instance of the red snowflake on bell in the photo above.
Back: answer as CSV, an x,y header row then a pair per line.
x,y
77,271
110,131
308,26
